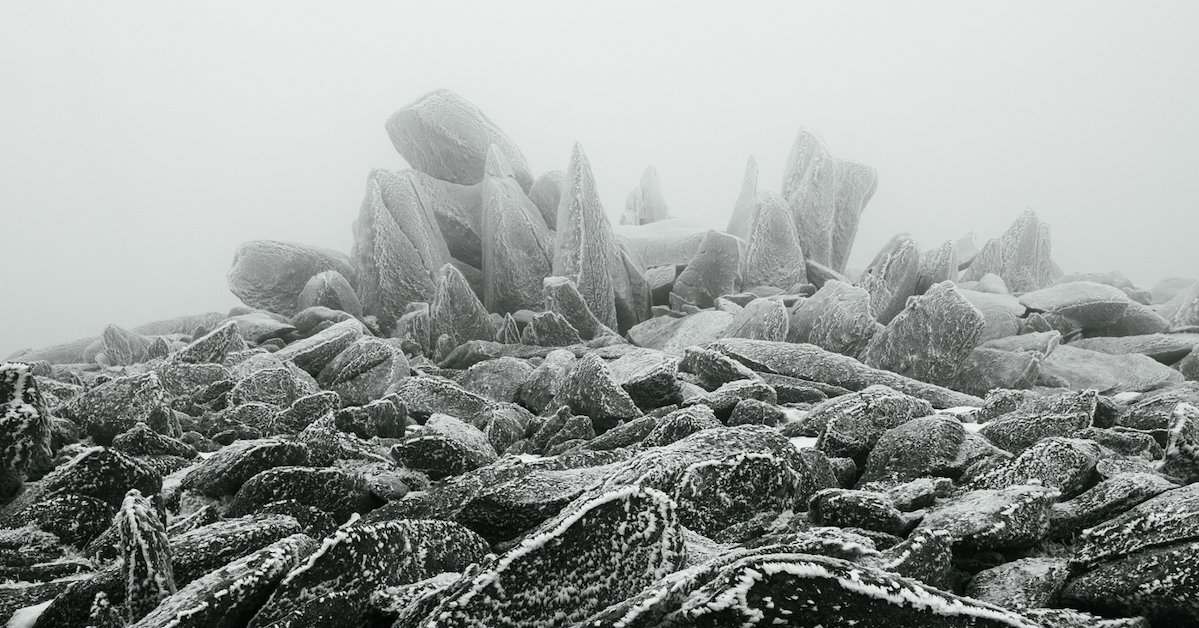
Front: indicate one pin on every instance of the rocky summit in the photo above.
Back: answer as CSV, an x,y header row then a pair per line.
x,y
498,408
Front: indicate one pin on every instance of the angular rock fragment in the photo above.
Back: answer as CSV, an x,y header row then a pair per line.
x,y
592,390
837,318
446,136
891,277
332,490
1092,305
314,353
673,335
456,311
123,347
1181,458
987,369
713,369
1020,584
25,429
930,339
1165,348
560,295
1065,464
1013,517
1083,368
518,248
546,194
114,406
584,249
225,471
679,424
714,270
645,203
857,509
762,319
365,371
1021,256
741,221
1041,417
1105,500
145,556
270,275
212,347
332,290
937,265
774,257
1159,583
650,377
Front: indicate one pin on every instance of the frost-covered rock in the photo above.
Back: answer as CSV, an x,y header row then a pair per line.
x,y
1160,583
123,347
1065,464
225,471
456,311
316,351
891,277
937,265
25,429
1039,417
546,194
837,318
365,371
762,319
1105,500
1181,458
518,247
145,556
1020,584
270,275
332,290
1092,305
1082,368
645,203
858,509
714,270
650,377
774,257
930,339
592,390
1021,256
584,249
332,490
559,295
114,406
1013,517
446,136
740,222
212,347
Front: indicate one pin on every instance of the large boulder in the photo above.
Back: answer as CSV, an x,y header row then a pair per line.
x,y
1091,305
714,270
270,275
740,222
645,203
518,247
774,257
930,339
837,318
455,310
891,277
332,290
1021,256
444,135
584,249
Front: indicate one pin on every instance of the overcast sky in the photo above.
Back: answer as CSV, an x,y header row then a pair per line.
x,y
141,142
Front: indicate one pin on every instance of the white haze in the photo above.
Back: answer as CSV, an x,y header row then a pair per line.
x,y
143,141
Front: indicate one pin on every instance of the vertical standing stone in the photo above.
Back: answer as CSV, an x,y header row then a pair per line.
x,y
1021,256
145,556
455,310
891,277
585,249
775,257
743,209
517,247
715,269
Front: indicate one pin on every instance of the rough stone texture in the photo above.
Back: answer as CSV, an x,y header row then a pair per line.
x,y
837,318
762,319
102,473
937,265
1021,256
1183,310
650,377
1065,464
270,275
1013,517
545,380
518,247
812,363
741,220
1083,368
145,556
584,248
645,203
559,295
713,369
1137,319
849,426
25,429
359,559
365,371
774,257
213,347
674,335
332,490
611,546
714,270
123,347
1160,583
1165,348
498,380
456,311
397,247
114,406
679,424
546,194
229,596
1092,305
1020,584
225,471
332,290
891,277
446,136
930,339
857,509
1000,311
592,390
550,329
1181,458
987,369
671,242
826,196
1040,417
715,494
1105,500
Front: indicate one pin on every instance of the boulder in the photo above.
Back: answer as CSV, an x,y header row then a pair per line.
x,y
518,247
714,270
546,194
774,257
1084,368
456,311
332,290
741,221
937,265
930,339
584,249
645,203
270,275
837,318
891,277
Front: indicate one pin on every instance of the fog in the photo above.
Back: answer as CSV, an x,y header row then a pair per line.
x,y
141,142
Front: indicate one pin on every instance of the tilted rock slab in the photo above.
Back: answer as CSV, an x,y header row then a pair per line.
x,y
714,270
930,339
1021,256
891,277
775,257
145,556
645,203
585,249
837,318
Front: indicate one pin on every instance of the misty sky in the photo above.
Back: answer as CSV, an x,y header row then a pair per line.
x,y
141,142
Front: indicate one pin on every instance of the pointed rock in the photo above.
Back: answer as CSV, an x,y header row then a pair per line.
x,y
446,136
762,319
645,203
891,277
123,347
212,347
774,257
930,339
517,245
585,249
743,209
145,556
1021,256
456,311
1091,305
561,296
546,194
592,390
937,265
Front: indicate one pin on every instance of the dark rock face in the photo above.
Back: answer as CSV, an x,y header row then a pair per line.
x,y
145,554
714,270
225,471
25,426
270,275
115,406
332,490
367,370
444,135
1020,584
1041,417
1014,517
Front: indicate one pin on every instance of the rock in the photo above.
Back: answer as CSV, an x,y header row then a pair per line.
x,y
937,265
224,472
277,387
1105,500
812,363
1083,368
645,203
213,347
546,194
544,382
145,554
498,380
916,448
123,347
1158,583
762,319
857,509
140,440
25,429
1165,348
741,221
230,595
1013,517
456,311
591,389
757,412
724,399
332,290
1041,417
102,473
987,369
719,493
715,269
679,424
359,559
365,371
673,335
613,545
114,406
550,329
891,277
774,257
76,520
1136,320
1001,313
1021,256
331,490
315,352
560,295
826,196
850,425
1065,464
397,247
444,135
1183,310
447,448
837,318
518,247
713,369
270,275
930,339
1020,584
1092,305
649,377
584,249
1181,458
